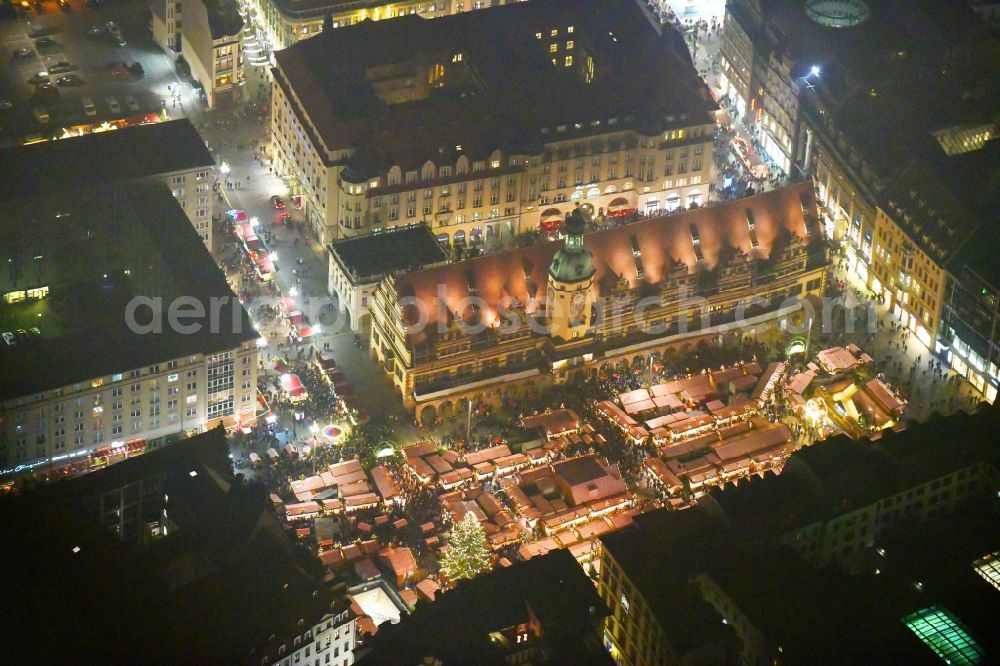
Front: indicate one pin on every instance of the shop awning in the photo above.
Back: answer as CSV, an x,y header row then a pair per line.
x,y
292,385
620,207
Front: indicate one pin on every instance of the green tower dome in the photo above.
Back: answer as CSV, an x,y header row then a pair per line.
x,y
572,262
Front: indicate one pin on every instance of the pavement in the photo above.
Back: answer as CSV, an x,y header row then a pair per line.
x,y
904,360
236,137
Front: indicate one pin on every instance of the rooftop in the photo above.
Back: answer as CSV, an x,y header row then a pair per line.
x,y
520,275
224,579
413,89
97,160
802,609
367,258
456,628
579,470
842,475
96,250
224,18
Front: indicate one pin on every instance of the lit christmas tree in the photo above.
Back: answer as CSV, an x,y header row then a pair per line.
x,y
466,556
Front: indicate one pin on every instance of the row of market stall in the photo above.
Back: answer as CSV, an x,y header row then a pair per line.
x,y
252,246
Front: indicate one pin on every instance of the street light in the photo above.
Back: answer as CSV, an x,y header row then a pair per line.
x,y
814,70
224,168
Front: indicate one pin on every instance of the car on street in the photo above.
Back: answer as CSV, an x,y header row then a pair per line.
x,y
41,114
39,77
69,80
5,104
278,203
95,31
23,52
113,104
45,43
131,103
60,67
88,106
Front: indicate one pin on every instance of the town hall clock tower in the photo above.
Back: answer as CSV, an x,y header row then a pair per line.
x,y
571,275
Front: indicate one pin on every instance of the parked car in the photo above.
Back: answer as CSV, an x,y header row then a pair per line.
x,y
39,77
113,104
60,67
5,104
88,106
131,103
24,52
95,31
45,43
69,80
116,34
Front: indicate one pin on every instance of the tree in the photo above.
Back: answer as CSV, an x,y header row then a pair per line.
x,y
466,556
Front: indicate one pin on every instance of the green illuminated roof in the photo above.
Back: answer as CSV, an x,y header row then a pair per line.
x,y
942,632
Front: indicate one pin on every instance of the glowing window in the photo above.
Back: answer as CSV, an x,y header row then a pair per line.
x,y
554,32
569,45
553,47
942,633
989,568
569,61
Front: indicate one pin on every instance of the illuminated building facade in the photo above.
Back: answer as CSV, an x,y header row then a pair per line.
x,y
905,167
81,379
554,311
210,39
388,123
281,23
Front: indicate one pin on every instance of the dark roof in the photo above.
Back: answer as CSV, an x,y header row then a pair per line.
x,y
101,248
899,52
886,87
808,612
216,587
579,470
455,628
842,475
367,258
639,78
940,555
224,18
101,159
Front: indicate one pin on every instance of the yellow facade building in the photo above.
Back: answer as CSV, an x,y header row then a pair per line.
x,y
388,123
552,312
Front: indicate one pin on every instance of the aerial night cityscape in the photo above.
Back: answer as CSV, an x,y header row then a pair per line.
x,y
474,332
